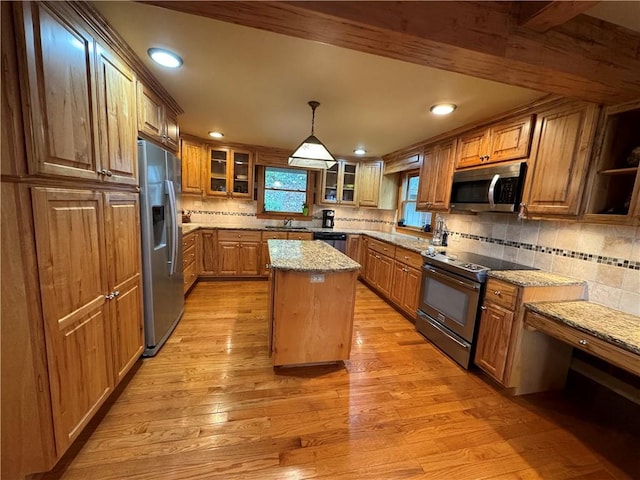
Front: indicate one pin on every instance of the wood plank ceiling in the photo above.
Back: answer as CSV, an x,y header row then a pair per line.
x,y
546,46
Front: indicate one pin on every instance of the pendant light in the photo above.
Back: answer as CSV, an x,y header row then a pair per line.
x,y
312,153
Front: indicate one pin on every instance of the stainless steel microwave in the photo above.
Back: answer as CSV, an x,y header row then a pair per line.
x,y
488,189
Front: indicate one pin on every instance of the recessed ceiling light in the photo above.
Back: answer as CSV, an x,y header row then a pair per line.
x,y
359,151
216,134
442,108
165,57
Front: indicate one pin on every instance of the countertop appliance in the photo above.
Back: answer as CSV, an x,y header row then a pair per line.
x,y
488,189
161,228
328,218
336,239
450,296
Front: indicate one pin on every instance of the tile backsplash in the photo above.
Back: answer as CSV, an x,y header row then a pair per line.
x,y
606,256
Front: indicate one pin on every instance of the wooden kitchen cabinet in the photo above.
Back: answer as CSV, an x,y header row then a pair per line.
x,y
156,121
407,276
508,140
229,173
436,177
380,266
403,162
338,184
239,253
74,287
208,258
509,354
613,190
494,334
122,226
192,157
557,168
190,255
368,180
354,247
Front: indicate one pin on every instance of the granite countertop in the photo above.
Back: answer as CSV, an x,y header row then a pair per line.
x,y
308,256
613,326
416,244
534,278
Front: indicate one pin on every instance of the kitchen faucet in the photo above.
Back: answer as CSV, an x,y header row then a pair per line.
x,y
287,222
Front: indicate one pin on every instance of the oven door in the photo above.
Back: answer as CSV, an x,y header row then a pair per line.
x,y
450,300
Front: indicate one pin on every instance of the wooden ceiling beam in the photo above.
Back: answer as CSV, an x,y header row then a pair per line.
x,y
583,58
543,16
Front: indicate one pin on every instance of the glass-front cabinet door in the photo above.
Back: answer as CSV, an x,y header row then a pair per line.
x,y
230,173
339,184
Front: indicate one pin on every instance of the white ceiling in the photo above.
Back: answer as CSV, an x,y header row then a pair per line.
x,y
254,85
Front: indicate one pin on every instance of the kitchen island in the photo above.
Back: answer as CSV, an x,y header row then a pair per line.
x,y
311,302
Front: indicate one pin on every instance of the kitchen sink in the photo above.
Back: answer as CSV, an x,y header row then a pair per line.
x,y
276,227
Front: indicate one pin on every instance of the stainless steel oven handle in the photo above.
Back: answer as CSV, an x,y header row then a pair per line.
x,y
492,191
444,332
470,286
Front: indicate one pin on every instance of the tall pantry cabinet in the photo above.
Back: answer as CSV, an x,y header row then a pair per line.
x,y
72,318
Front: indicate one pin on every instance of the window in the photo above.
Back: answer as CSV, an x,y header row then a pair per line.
x,y
286,190
407,213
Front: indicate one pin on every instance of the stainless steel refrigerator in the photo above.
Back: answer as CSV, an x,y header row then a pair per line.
x,y
160,186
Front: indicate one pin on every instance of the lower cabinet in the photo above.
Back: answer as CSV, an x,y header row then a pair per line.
x,y
207,261
88,254
264,257
506,351
239,253
190,254
406,288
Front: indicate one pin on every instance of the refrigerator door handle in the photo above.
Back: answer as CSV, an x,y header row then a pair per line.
x,y
174,225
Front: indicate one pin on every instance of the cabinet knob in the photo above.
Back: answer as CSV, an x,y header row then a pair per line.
x,y
583,342
109,296
109,173
497,293
483,307
116,293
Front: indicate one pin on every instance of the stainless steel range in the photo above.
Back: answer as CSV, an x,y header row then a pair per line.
x,y
450,296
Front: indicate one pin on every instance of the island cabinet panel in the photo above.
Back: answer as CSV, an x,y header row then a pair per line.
x,y
59,78
312,319
559,160
69,236
124,269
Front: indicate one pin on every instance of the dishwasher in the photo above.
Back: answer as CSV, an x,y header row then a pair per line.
x,y
336,239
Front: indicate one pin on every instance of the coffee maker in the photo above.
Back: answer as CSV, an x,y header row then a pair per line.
x,y
328,217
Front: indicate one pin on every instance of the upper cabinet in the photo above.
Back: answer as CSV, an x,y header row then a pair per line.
x,y
192,157
559,158
229,173
404,161
508,140
368,181
59,78
156,121
613,194
339,184
436,177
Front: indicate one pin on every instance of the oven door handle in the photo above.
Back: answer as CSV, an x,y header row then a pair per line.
x,y
492,191
437,326
447,278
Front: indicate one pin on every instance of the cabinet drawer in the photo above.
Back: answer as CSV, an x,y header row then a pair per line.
x,y
188,241
188,256
300,236
409,257
189,275
274,236
239,236
382,247
501,293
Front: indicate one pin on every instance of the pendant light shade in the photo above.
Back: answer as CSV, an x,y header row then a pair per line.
x,y
312,153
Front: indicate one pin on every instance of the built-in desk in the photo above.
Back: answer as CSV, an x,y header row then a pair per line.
x,y
609,334
311,302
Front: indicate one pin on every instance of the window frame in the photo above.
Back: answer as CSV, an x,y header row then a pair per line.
x,y
402,200
260,176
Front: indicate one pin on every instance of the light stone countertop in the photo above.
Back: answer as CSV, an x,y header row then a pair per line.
x,y
534,278
413,243
308,256
613,326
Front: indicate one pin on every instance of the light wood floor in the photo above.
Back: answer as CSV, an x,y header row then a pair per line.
x,y
210,406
